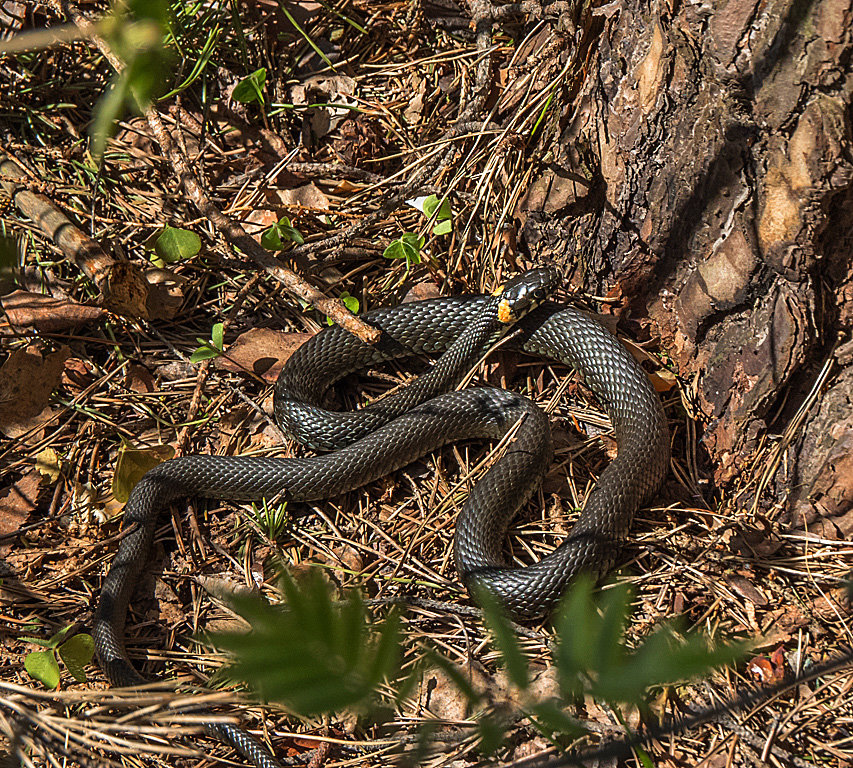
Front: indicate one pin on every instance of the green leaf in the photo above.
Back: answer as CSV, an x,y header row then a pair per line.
x,y
644,757
443,227
271,239
43,666
133,463
280,234
289,232
107,111
591,657
38,641
58,637
350,302
553,721
615,609
407,246
174,244
216,336
316,655
491,733
203,353
444,217
212,347
251,88
514,661
432,203
575,621
135,32
387,652
76,653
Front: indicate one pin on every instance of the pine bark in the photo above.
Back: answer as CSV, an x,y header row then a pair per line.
x,y
706,179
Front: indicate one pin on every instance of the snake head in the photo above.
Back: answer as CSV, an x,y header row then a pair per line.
x,y
525,292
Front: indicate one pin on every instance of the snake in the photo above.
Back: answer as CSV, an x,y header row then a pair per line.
x,y
368,443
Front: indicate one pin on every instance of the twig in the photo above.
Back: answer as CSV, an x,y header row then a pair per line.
x,y
92,260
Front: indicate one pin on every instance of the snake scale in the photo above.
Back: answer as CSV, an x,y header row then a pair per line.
x,y
371,442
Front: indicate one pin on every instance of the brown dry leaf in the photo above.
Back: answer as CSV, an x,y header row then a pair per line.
x,y
127,291
344,187
112,508
663,380
263,218
349,557
45,313
26,381
139,379
77,375
329,90
16,503
763,671
412,113
12,15
165,293
308,196
551,192
262,351
610,446
755,541
421,291
746,589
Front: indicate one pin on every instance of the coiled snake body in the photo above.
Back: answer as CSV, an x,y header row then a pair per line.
x,y
396,431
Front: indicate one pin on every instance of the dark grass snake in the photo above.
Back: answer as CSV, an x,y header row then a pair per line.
x,y
397,430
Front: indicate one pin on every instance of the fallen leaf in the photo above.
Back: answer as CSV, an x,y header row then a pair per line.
x,y
26,381
262,351
77,375
45,313
49,464
308,196
328,90
755,541
16,503
165,293
344,187
263,218
440,695
133,463
127,291
663,380
421,291
349,557
111,508
746,589
139,379
412,113
764,671
13,16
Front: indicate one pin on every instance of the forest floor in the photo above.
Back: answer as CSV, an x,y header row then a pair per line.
x,y
367,107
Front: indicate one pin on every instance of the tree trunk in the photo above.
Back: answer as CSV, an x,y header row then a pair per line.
x,y
707,177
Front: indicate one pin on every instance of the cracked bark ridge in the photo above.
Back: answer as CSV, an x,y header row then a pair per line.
x,y
719,202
